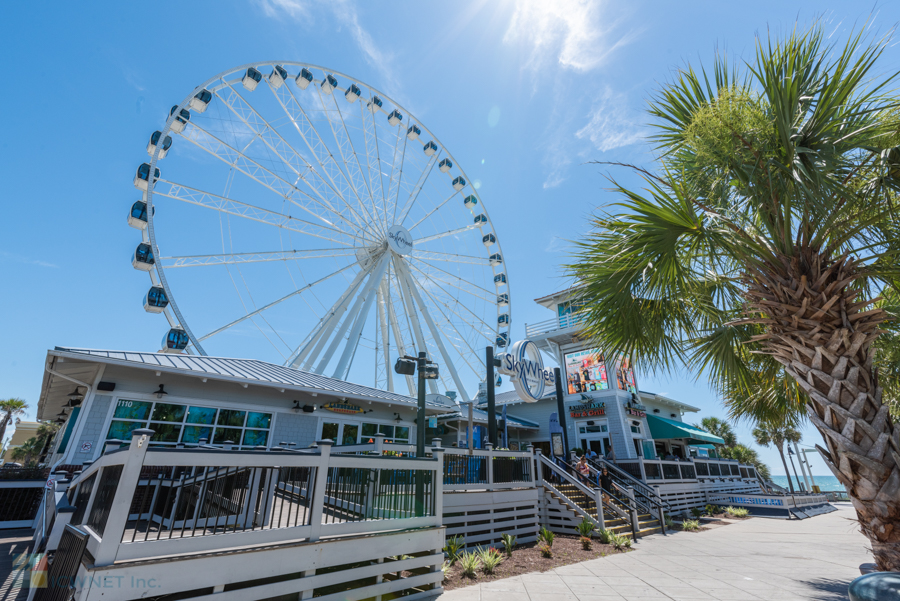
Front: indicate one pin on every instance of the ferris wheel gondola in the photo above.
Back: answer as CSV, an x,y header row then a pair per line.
x,y
303,224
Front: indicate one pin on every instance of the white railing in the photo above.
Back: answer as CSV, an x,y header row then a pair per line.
x,y
479,469
562,322
696,469
142,502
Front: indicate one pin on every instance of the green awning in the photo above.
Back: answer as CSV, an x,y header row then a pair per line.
x,y
711,447
661,427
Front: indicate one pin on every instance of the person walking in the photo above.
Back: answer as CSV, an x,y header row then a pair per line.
x,y
606,483
584,471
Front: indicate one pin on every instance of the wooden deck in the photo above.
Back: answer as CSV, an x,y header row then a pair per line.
x,y
12,544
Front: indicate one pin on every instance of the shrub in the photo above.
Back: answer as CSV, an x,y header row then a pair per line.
x,y
690,525
605,536
586,542
737,512
670,523
546,536
509,543
469,562
620,541
713,509
545,549
585,528
490,559
696,512
445,569
454,546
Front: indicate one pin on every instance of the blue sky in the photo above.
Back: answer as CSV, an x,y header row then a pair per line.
x,y
522,93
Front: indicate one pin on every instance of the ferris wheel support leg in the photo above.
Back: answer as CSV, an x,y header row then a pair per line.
x,y
320,336
356,332
354,310
401,346
411,313
385,335
434,333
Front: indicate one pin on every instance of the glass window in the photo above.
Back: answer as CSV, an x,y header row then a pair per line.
x,y
255,438
259,420
401,433
165,412
636,429
193,434
122,430
201,415
329,431
350,434
388,431
230,417
166,432
126,409
369,429
224,434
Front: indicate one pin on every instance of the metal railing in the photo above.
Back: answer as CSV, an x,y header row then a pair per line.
x,y
143,501
562,322
625,478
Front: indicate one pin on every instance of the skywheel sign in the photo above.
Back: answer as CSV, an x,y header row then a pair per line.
x,y
525,367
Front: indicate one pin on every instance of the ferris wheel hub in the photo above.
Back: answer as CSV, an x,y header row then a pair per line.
x,y
400,240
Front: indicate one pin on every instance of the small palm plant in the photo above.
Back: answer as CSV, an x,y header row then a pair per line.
x,y
546,537
604,535
737,512
490,559
509,543
455,544
690,525
585,529
620,542
469,562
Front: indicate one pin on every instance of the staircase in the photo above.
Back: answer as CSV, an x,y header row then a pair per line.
x,y
567,503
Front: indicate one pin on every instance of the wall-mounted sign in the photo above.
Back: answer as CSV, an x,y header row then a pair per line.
x,y
625,379
525,367
399,240
585,371
635,412
86,446
588,410
342,408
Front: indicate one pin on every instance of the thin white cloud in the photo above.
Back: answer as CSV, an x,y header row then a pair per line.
x,y
612,123
26,260
577,34
557,159
344,11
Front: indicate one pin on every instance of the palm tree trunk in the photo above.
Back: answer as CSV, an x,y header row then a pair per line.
x,y
6,420
822,334
784,463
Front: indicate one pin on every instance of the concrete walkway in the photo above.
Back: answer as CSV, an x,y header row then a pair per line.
x,y
752,560
12,544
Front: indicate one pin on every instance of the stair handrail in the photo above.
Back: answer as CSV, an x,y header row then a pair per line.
x,y
641,487
561,468
627,500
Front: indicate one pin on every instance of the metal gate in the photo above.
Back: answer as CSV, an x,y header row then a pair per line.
x,y
62,572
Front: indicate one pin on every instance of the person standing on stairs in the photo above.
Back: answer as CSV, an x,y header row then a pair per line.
x,y
584,472
606,484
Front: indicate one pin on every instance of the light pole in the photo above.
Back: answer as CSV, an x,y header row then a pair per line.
x,y
791,456
428,370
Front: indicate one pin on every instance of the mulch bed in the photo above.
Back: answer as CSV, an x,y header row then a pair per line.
x,y
527,558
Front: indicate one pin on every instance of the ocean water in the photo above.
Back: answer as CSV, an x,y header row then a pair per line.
x,y
823,482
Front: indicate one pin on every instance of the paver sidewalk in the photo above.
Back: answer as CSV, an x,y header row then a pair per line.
x,y
753,560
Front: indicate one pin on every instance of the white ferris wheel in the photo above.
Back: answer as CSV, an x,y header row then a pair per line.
x,y
295,214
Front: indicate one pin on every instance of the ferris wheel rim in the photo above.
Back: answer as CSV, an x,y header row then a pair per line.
x,y
173,312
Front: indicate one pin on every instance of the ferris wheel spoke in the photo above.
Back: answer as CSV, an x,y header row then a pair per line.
x,y
241,258
393,196
274,303
314,342
244,210
447,233
437,284
401,345
373,158
340,183
374,277
251,118
467,358
435,334
433,211
430,255
268,179
414,195
350,157
475,288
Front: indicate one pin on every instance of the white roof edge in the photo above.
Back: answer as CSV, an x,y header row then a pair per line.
x,y
667,400
92,355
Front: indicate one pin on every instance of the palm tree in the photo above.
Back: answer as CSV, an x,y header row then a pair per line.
x,y
777,435
758,247
747,456
718,427
10,408
32,451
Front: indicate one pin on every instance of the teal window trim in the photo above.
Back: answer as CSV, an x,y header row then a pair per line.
x,y
70,427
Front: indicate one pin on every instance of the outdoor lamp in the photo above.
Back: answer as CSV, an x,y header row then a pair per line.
x,y
161,392
431,372
75,397
405,367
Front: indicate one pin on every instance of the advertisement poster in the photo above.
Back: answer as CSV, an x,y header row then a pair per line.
x,y
586,371
625,374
